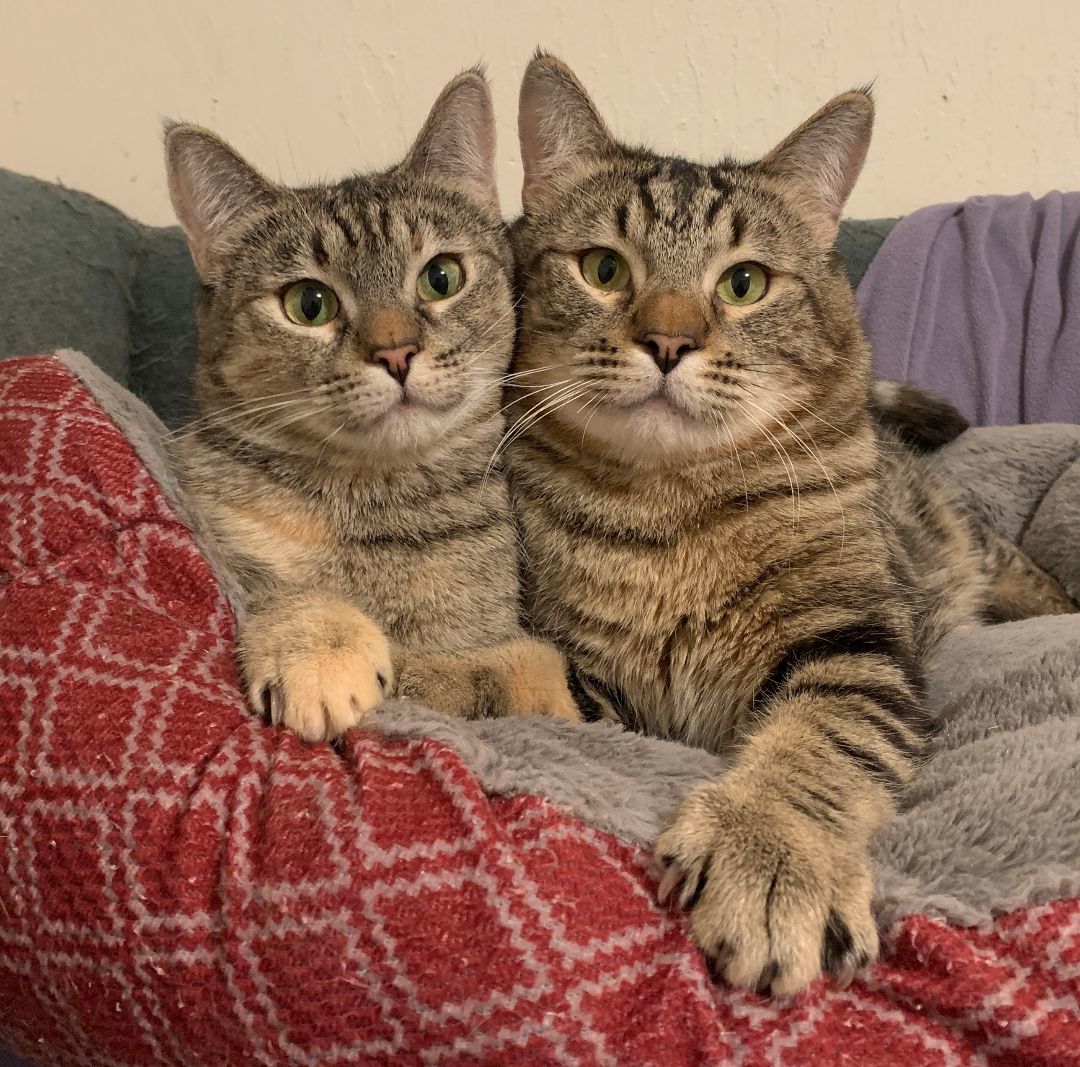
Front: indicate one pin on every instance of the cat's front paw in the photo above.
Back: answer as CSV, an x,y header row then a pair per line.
x,y
772,896
518,677
315,664
536,681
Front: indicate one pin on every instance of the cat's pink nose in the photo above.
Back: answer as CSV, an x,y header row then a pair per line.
x,y
665,350
396,360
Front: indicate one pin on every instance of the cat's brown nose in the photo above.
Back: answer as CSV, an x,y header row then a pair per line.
x,y
396,360
669,325
665,350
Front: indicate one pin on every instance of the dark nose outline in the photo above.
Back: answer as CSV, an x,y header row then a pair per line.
x,y
396,360
666,350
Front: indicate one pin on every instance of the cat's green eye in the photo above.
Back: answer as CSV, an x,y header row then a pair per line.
x,y
605,269
743,284
310,303
440,279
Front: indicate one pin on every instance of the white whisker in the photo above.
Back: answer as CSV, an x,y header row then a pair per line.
x,y
560,398
789,467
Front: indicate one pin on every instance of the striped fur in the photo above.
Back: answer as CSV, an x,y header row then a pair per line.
x,y
729,553
923,420
371,531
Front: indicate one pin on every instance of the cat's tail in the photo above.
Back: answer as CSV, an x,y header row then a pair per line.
x,y
921,419
1019,587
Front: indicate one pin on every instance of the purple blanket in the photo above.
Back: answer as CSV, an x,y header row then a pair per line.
x,y
980,301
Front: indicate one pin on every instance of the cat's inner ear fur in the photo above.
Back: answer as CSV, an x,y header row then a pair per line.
x,y
211,188
559,126
457,142
820,161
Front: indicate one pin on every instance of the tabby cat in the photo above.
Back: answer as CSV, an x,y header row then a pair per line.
x,y
353,340
717,538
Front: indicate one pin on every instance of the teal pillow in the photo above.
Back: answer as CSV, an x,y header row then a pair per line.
x,y
77,273
858,242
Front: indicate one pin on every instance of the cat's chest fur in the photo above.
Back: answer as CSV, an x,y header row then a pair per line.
x,y
431,557
676,610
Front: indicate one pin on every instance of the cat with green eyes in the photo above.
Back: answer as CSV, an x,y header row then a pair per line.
x,y
353,341
725,548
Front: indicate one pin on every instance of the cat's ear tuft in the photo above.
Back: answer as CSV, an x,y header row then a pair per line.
x,y
558,124
821,160
457,142
211,188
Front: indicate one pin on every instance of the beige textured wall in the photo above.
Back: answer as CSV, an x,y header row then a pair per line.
x,y
973,97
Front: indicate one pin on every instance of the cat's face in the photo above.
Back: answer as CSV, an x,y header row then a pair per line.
x,y
671,307
365,320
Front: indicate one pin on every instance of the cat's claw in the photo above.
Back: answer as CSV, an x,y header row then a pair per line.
x,y
672,876
773,902
273,703
316,665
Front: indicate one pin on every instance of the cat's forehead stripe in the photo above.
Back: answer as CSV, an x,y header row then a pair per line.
x,y
673,192
367,218
648,203
384,221
685,181
738,224
344,226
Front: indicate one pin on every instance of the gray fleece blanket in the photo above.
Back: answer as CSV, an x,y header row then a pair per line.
x,y
993,823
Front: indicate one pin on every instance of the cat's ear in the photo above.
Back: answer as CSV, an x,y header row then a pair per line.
x,y
211,188
558,124
457,142
821,160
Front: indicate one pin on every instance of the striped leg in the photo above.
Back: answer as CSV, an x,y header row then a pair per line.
x,y
770,861
519,677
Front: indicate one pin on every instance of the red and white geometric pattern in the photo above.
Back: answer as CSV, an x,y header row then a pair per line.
x,y
180,884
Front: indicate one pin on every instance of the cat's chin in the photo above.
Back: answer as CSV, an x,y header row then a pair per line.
x,y
406,434
396,439
652,432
